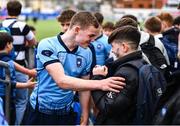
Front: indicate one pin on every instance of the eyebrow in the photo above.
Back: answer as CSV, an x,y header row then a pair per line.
x,y
65,23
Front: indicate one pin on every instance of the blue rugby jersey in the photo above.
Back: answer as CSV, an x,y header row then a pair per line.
x,y
76,63
102,49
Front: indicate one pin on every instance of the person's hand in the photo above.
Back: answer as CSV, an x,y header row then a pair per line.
x,y
30,83
100,70
114,84
32,72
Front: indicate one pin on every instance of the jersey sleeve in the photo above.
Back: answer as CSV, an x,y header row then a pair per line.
x,y
47,53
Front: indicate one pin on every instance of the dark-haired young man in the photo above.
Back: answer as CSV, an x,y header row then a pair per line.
x,y
119,108
144,37
64,19
108,27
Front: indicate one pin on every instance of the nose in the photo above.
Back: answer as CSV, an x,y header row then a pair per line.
x,y
65,28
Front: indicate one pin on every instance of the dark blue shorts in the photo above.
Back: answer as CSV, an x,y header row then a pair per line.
x,y
34,117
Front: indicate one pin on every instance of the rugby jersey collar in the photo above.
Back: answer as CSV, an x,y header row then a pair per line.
x,y
66,48
11,18
99,37
5,57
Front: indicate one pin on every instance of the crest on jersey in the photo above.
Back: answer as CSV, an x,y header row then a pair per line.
x,y
99,46
79,62
47,53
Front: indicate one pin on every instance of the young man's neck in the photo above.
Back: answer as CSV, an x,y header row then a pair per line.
x,y
68,39
100,33
129,52
155,33
12,16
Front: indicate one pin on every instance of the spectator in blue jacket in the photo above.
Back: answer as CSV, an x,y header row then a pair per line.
x,y
6,47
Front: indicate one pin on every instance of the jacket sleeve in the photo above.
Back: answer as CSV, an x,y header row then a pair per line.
x,y
111,102
97,94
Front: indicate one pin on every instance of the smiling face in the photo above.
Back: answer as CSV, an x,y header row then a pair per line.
x,y
85,36
84,28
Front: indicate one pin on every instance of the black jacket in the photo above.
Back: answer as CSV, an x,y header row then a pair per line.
x,y
172,34
119,108
168,111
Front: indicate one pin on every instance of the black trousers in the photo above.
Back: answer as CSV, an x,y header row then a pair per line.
x,y
34,117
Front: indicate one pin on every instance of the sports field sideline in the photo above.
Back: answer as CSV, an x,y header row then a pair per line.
x,y
45,28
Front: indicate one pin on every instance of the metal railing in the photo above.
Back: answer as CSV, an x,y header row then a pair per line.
x,y
7,83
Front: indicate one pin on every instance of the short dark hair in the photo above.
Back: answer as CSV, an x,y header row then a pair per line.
x,y
14,8
130,16
99,17
108,25
126,21
153,24
128,34
4,39
176,21
66,16
84,19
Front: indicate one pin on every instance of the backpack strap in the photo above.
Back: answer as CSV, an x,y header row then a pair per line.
x,y
149,44
136,64
151,40
4,29
17,48
10,26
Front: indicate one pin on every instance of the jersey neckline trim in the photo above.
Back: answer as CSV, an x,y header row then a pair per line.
x,y
66,48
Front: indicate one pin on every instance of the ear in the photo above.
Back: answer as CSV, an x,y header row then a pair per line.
x,y
76,29
146,30
8,45
125,47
